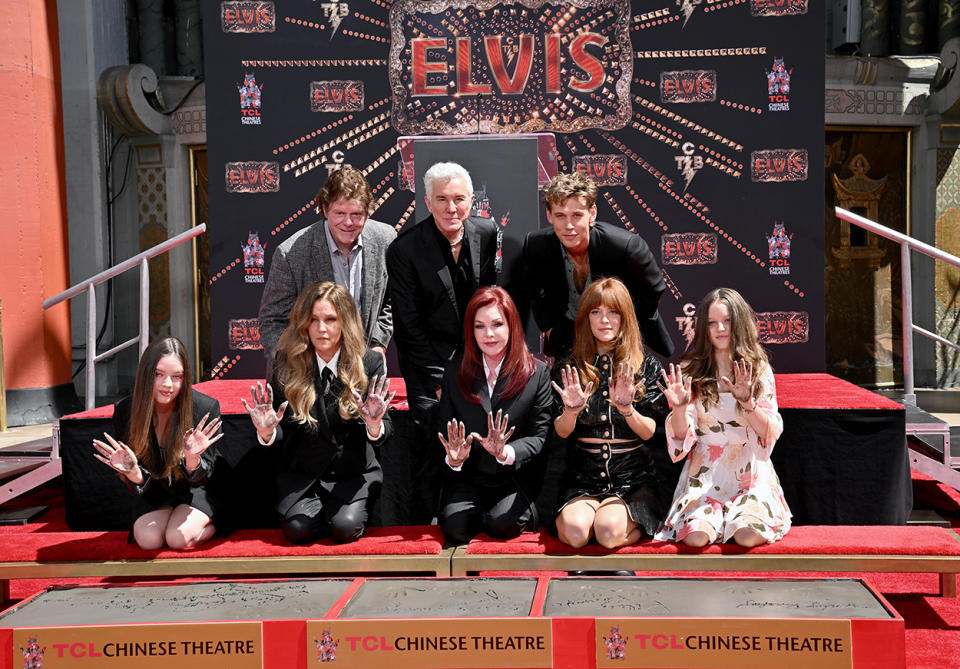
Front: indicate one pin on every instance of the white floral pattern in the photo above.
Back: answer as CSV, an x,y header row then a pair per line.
x,y
728,481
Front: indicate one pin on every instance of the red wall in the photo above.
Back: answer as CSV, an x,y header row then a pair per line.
x,y
33,218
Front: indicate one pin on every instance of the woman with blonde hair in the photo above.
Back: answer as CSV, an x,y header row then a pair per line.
x,y
165,432
327,431
726,429
609,405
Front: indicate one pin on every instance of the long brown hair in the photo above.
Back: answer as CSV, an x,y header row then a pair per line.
x,y
142,410
296,356
518,364
628,346
700,363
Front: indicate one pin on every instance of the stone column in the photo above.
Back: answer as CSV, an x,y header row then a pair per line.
x,y
875,28
913,27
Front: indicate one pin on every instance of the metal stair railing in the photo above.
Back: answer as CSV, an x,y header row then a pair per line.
x,y
41,457
907,244
918,422
89,285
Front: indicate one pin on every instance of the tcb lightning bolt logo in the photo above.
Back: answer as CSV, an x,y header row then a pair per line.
x,y
688,163
687,7
334,12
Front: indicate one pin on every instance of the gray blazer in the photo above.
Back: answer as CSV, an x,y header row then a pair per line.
x,y
305,258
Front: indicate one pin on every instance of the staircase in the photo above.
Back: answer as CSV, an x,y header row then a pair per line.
x,y
933,434
29,457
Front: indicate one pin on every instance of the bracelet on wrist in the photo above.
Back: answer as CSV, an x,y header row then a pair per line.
x,y
745,409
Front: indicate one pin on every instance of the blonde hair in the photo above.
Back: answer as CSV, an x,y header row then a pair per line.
x,y
296,355
562,187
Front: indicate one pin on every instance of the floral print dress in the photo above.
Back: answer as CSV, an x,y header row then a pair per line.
x,y
728,481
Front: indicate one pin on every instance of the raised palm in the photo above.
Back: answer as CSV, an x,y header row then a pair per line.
x,y
198,439
676,386
622,386
115,454
743,381
265,418
498,434
573,395
457,442
378,400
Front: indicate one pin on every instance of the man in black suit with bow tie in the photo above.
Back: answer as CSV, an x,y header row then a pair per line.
x,y
434,267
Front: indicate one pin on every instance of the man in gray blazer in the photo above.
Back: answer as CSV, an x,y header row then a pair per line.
x,y
345,247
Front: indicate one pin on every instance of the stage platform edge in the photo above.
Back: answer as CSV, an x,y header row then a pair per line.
x,y
538,622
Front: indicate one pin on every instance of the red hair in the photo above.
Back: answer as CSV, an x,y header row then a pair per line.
x,y
518,364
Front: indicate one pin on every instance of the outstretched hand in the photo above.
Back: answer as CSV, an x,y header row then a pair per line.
x,y
622,388
573,395
457,444
264,418
743,381
118,456
498,434
676,387
378,399
198,439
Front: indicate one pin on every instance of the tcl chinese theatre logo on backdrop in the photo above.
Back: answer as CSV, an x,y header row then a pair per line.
x,y
778,249
457,67
251,98
253,259
778,86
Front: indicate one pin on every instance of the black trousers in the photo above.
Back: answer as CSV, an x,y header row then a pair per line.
x,y
426,456
319,514
502,510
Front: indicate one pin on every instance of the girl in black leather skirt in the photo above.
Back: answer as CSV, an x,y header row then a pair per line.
x,y
608,404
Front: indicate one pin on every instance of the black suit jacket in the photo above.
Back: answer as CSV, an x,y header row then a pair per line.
x,y
529,411
426,316
202,404
337,454
613,252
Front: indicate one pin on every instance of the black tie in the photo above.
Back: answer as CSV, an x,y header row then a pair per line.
x,y
325,380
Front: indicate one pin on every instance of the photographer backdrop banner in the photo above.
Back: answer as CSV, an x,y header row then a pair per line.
x,y
702,121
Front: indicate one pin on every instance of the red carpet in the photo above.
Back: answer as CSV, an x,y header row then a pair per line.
x,y
814,540
794,391
932,622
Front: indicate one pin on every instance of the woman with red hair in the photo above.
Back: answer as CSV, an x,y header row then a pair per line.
x,y
609,407
495,406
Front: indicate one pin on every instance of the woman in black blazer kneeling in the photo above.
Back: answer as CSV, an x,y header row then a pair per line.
x,y
495,412
162,443
328,440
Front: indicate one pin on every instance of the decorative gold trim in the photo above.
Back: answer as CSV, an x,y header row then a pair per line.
x,y
438,564
948,125
144,157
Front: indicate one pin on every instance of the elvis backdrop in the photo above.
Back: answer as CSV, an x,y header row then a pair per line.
x,y
701,119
